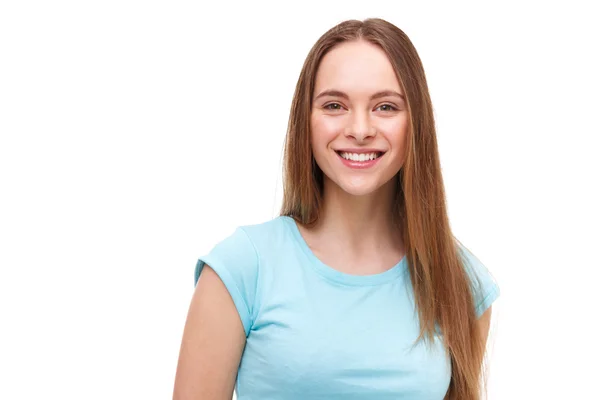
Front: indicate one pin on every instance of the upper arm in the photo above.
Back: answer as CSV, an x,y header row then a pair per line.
x,y
235,260
212,345
484,324
219,320
484,288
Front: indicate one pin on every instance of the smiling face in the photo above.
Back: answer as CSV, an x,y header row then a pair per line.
x,y
358,107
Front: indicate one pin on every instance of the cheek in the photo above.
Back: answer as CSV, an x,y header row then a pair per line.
x,y
396,132
323,131
397,126
330,125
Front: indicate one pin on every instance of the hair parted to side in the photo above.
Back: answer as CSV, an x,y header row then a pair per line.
x,y
442,290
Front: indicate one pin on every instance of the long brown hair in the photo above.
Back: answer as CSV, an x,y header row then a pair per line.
x,y
442,289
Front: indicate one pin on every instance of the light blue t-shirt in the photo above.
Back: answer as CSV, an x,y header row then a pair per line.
x,y
313,332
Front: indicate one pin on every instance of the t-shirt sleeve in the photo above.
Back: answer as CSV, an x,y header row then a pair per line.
x,y
484,287
235,261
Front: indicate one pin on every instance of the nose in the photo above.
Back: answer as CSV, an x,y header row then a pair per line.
x,y
360,127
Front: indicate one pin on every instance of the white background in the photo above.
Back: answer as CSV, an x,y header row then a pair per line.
x,y
137,134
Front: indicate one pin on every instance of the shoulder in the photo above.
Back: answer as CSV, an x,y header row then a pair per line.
x,y
266,234
236,259
239,253
484,286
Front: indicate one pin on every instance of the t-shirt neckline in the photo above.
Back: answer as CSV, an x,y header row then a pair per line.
x,y
342,277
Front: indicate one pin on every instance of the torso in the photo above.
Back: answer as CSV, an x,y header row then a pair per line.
x,y
322,334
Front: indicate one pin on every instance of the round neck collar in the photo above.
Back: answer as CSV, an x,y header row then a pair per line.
x,y
342,277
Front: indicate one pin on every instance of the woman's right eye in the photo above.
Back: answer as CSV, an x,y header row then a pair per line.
x,y
328,106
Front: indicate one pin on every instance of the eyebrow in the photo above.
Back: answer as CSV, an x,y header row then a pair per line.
x,y
338,93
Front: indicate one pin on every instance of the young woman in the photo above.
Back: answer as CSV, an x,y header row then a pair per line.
x,y
358,290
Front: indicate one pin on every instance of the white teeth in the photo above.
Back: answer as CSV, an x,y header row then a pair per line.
x,y
359,157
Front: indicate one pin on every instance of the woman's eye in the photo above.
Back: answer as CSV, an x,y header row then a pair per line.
x,y
337,107
328,106
390,107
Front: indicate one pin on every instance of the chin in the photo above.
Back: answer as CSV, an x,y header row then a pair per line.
x,y
360,189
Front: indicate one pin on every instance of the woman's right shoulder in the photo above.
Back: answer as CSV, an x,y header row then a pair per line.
x,y
236,259
264,235
246,239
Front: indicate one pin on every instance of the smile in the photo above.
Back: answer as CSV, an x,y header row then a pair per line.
x,y
360,157
359,160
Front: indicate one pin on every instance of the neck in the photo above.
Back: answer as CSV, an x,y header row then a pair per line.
x,y
361,224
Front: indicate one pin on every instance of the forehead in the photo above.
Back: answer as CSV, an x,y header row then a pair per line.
x,y
355,67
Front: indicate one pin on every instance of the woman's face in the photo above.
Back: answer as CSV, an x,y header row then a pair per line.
x,y
358,107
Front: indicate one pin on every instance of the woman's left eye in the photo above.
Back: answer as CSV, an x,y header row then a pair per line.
x,y
391,107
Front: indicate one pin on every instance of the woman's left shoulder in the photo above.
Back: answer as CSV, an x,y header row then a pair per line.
x,y
484,285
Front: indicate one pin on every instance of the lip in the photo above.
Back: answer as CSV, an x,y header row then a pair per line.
x,y
359,164
360,151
